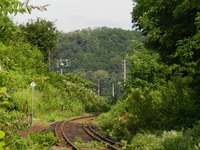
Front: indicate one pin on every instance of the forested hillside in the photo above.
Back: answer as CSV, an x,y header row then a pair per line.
x,y
97,54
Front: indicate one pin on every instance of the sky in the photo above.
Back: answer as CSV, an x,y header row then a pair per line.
x,y
71,15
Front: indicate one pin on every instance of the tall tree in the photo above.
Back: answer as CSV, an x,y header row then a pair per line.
x,y
166,22
100,76
173,31
42,34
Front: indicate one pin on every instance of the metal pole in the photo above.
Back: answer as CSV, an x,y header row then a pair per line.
x,y
113,90
32,85
32,106
32,99
124,71
99,86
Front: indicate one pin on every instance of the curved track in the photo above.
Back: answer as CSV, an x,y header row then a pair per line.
x,y
68,131
110,143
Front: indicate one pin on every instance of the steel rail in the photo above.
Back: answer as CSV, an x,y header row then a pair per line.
x,y
68,141
100,139
104,138
62,129
56,129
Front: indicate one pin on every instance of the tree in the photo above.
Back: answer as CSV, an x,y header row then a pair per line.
x,y
100,76
7,27
173,28
173,31
166,22
11,7
42,34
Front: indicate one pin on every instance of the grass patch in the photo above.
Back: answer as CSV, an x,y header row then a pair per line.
x,y
91,144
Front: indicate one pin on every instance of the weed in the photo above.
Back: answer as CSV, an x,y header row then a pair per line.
x,y
91,144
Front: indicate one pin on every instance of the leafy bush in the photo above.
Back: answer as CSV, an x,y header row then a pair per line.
x,y
29,59
36,140
18,142
5,99
20,98
43,139
5,117
172,140
69,93
2,143
118,127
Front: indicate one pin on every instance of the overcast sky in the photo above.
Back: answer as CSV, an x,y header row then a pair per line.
x,y
73,15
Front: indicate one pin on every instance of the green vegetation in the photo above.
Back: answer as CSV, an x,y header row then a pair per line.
x,y
36,140
91,144
160,105
2,143
97,54
23,60
172,140
156,108
42,34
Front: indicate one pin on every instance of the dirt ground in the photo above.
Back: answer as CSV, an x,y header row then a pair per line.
x,y
32,129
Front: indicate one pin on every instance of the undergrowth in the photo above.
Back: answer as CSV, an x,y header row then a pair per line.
x,y
168,140
36,141
91,144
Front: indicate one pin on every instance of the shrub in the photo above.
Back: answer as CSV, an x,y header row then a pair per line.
x,y
2,143
168,140
44,139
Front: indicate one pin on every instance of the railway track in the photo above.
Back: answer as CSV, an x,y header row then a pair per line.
x,y
68,131
110,143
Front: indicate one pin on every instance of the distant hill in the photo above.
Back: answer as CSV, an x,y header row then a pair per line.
x,y
96,54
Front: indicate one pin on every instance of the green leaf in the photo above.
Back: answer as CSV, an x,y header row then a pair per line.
x,y
2,134
2,144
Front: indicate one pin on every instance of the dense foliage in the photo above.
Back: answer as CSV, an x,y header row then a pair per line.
x,y
159,108
42,34
55,96
97,54
162,91
177,40
172,140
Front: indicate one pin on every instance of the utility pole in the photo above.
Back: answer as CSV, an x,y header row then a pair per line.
x,y
49,60
99,87
124,66
113,90
63,63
